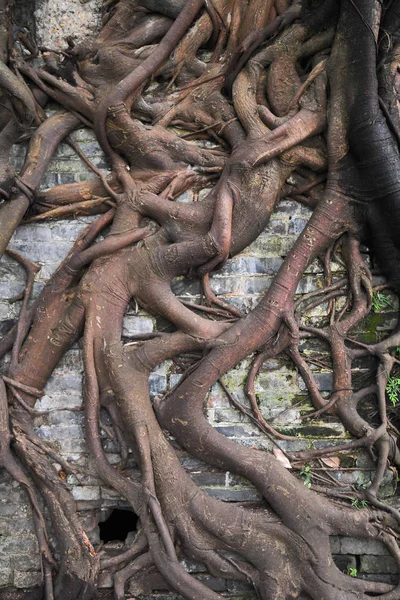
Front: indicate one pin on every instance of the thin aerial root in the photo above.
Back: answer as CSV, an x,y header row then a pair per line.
x,y
31,391
317,70
255,416
211,298
68,210
121,577
24,320
48,582
138,547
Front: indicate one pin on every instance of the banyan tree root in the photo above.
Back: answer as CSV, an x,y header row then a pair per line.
x,y
283,92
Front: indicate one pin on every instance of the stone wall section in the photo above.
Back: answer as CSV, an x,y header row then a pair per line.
x,y
55,21
280,391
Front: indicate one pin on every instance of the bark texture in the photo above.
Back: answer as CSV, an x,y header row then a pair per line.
x,y
306,90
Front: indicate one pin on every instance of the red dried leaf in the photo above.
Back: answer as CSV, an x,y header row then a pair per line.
x,y
282,458
331,461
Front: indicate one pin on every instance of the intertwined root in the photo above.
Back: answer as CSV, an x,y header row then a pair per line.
x,y
265,110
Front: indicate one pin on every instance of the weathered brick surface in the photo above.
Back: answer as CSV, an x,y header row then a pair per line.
x,y
58,20
281,392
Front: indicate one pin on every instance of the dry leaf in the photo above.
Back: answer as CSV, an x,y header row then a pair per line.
x,y
280,456
331,461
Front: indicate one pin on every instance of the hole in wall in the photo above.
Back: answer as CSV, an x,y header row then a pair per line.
x,y
118,525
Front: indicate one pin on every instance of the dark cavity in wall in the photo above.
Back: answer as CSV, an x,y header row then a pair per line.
x,y
118,525
24,18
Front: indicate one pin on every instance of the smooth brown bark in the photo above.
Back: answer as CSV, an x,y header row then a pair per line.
x,y
303,118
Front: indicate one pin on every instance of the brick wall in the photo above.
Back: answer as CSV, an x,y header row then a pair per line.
x,y
280,390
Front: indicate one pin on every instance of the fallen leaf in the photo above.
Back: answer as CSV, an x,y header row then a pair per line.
x,y
280,457
331,461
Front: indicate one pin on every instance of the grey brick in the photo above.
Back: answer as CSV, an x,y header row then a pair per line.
x,y
239,587
350,545
71,361
277,226
134,325
49,180
226,415
91,148
157,384
70,445
252,265
334,541
60,432
65,382
214,583
105,580
234,431
59,402
45,252
292,208
5,527
64,151
22,526
9,510
378,564
66,417
226,285
234,494
380,578
110,446
101,163
309,284
193,567
268,244
18,545
256,285
86,493
83,135
18,163
344,563
66,178
208,479
19,150
66,231
11,289
6,575
48,269
32,233
296,226
174,379
26,563
323,380
185,197
27,579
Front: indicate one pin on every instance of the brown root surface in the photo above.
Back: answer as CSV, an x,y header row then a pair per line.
x,y
253,102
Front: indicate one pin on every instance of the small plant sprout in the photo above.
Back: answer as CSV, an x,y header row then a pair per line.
x,y
359,504
380,301
306,472
393,389
352,572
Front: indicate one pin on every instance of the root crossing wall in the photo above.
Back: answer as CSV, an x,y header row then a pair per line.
x,y
280,390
